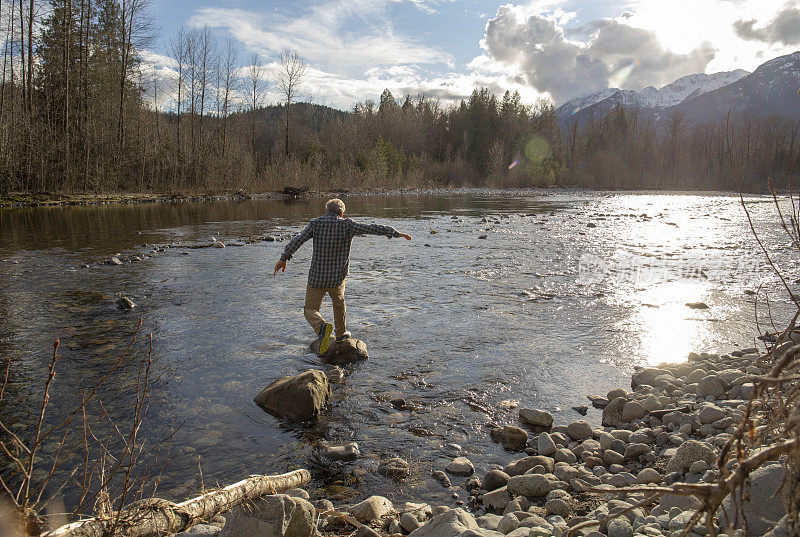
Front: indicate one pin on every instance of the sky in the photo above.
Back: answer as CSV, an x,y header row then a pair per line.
x,y
557,50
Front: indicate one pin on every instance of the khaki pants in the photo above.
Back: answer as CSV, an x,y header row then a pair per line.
x,y
314,302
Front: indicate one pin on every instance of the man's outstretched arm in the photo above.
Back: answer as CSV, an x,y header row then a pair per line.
x,y
376,229
292,247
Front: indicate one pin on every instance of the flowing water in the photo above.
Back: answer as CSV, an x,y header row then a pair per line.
x,y
564,295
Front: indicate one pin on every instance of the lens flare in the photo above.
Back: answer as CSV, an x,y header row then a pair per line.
x,y
537,148
618,77
511,166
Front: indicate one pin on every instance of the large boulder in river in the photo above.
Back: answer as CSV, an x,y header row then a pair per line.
x,y
344,351
300,397
279,515
453,523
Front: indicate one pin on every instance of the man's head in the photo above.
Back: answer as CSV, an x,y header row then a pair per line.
x,y
335,206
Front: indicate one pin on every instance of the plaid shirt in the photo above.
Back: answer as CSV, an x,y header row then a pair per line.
x,y
332,235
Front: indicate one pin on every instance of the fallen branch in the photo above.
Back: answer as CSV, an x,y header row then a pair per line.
x,y
153,517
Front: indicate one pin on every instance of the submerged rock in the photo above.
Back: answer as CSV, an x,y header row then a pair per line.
x,y
348,452
125,303
396,468
460,466
536,417
298,397
342,352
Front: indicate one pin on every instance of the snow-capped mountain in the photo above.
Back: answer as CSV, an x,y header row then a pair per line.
x,y
769,90
687,87
650,98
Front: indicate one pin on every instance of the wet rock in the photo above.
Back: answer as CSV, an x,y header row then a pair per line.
x,y
612,414
616,392
688,452
125,303
473,483
598,401
460,466
410,521
525,464
219,244
342,352
579,430
114,261
494,479
545,445
398,403
277,516
536,417
697,305
335,374
441,478
299,397
372,509
348,452
395,468
322,505
514,438
453,523
581,409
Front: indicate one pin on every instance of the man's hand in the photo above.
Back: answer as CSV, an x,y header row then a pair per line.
x,y
281,265
407,237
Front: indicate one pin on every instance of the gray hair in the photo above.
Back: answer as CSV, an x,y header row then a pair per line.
x,y
335,206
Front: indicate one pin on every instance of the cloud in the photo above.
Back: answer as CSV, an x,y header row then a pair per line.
x,y
783,28
552,61
341,36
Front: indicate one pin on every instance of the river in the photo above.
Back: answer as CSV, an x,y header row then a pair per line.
x,y
567,292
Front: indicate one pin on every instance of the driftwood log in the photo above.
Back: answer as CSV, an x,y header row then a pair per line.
x,y
159,517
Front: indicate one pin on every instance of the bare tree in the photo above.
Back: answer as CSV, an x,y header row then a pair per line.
x,y
229,66
291,72
177,48
255,75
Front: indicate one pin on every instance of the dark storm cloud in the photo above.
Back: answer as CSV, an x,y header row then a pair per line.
x,y
565,68
784,28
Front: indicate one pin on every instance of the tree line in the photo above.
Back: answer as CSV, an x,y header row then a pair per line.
x,y
81,112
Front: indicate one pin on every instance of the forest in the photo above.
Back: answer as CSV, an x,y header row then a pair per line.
x,y
79,113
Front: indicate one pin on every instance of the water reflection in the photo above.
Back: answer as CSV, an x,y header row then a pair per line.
x,y
457,328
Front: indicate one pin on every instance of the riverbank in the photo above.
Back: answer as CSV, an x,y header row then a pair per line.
x,y
665,433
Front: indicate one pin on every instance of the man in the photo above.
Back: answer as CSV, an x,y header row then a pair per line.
x,y
330,261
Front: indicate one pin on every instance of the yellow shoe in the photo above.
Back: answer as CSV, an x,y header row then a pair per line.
x,y
325,337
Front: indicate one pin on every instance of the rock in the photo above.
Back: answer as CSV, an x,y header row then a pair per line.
x,y
497,499
514,438
219,244
300,397
613,457
371,509
579,430
494,479
298,493
322,505
508,523
565,455
125,303
710,414
632,411
535,417
453,523
204,530
441,478
697,305
612,414
523,465
460,466
532,485
711,385
398,403
489,521
688,452
114,261
616,392
272,516
765,507
598,401
648,475
619,527
634,451
410,522
545,445
581,409
346,351
557,506
348,452
335,374
395,468
366,531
